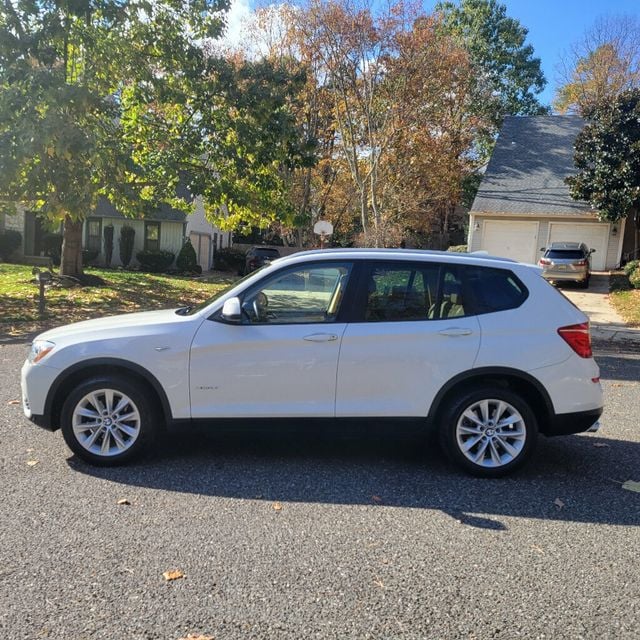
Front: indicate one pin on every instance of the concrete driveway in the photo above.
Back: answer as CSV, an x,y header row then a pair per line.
x,y
606,324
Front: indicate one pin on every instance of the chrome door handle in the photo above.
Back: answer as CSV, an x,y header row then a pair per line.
x,y
321,337
454,332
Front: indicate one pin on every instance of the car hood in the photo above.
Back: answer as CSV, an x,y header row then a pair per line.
x,y
111,326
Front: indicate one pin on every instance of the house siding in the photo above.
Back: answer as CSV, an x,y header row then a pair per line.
x,y
171,237
613,241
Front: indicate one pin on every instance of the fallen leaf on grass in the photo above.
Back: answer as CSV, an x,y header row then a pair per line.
x,y
123,501
558,503
32,463
13,402
378,582
174,574
630,485
601,444
192,636
538,549
276,506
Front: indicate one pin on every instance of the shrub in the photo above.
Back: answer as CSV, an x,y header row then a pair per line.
x,y
458,248
125,244
634,278
155,261
52,246
187,259
9,241
630,267
107,232
89,255
230,259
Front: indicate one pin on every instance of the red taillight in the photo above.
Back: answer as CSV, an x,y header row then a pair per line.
x,y
544,261
577,336
581,263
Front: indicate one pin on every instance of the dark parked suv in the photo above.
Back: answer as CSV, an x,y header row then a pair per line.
x,y
564,261
259,256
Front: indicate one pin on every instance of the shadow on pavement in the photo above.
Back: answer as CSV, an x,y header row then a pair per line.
x,y
575,478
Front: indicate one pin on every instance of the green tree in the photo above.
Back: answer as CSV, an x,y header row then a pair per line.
x,y
505,64
607,156
120,99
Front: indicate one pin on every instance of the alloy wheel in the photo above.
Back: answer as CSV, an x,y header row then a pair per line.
x,y
491,433
106,422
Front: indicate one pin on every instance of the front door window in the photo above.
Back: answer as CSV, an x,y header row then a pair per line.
x,y
303,295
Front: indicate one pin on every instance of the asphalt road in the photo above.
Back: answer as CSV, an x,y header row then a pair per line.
x,y
377,541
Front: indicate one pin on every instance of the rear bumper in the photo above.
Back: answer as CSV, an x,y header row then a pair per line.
x,y
560,276
563,424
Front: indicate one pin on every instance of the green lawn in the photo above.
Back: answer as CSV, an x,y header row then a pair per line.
x,y
123,291
624,298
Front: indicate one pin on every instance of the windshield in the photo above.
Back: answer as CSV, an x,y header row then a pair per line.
x,y
565,254
191,310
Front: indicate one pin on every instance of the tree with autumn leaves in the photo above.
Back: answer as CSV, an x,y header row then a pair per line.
x,y
404,107
374,118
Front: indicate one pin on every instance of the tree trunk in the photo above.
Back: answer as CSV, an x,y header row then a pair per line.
x,y
71,259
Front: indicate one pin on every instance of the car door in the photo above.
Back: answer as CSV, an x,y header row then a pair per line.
x,y
413,331
281,360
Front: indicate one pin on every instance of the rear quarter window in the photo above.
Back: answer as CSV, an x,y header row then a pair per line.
x,y
494,289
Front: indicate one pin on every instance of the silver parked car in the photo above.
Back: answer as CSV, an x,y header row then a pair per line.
x,y
564,261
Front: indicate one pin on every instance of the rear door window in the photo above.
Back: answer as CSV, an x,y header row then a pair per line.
x,y
403,292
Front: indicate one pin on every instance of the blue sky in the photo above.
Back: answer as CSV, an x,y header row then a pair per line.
x,y
553,25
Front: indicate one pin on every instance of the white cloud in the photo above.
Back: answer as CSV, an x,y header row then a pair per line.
x,y
240,14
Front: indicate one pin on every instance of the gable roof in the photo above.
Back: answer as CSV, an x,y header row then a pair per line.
x,y
532,157
104,209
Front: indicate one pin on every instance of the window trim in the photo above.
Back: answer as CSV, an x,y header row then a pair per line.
x,y
147,225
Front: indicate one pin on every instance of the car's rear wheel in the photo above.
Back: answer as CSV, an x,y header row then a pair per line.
x,y
108,420
489,432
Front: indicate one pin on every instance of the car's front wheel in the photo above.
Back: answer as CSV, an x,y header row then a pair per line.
x,y
108,420
488,432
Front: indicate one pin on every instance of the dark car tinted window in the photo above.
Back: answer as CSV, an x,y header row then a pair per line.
x,y
266,253
562,254
494,289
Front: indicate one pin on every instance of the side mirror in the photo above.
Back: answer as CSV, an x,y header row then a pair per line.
x,y
592,250
542,248
231,311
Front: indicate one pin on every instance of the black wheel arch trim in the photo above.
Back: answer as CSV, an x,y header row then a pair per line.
x,y
480,372
134,368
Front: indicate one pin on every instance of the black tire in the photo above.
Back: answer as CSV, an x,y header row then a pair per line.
x,y
584,284
146,422
452,432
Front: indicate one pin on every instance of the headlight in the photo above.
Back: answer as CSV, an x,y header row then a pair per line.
x,y
39,350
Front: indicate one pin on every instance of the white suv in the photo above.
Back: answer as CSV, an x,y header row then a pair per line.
x,y
482,350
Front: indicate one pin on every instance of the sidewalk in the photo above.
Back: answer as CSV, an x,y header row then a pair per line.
x,y
606,324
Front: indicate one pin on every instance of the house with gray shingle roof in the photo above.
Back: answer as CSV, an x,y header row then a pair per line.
x,y
523,203
163,228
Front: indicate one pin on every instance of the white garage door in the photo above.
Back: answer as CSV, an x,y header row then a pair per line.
x,y
595,236
511,239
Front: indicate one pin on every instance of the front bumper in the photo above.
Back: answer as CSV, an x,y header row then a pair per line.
x,y
35,382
